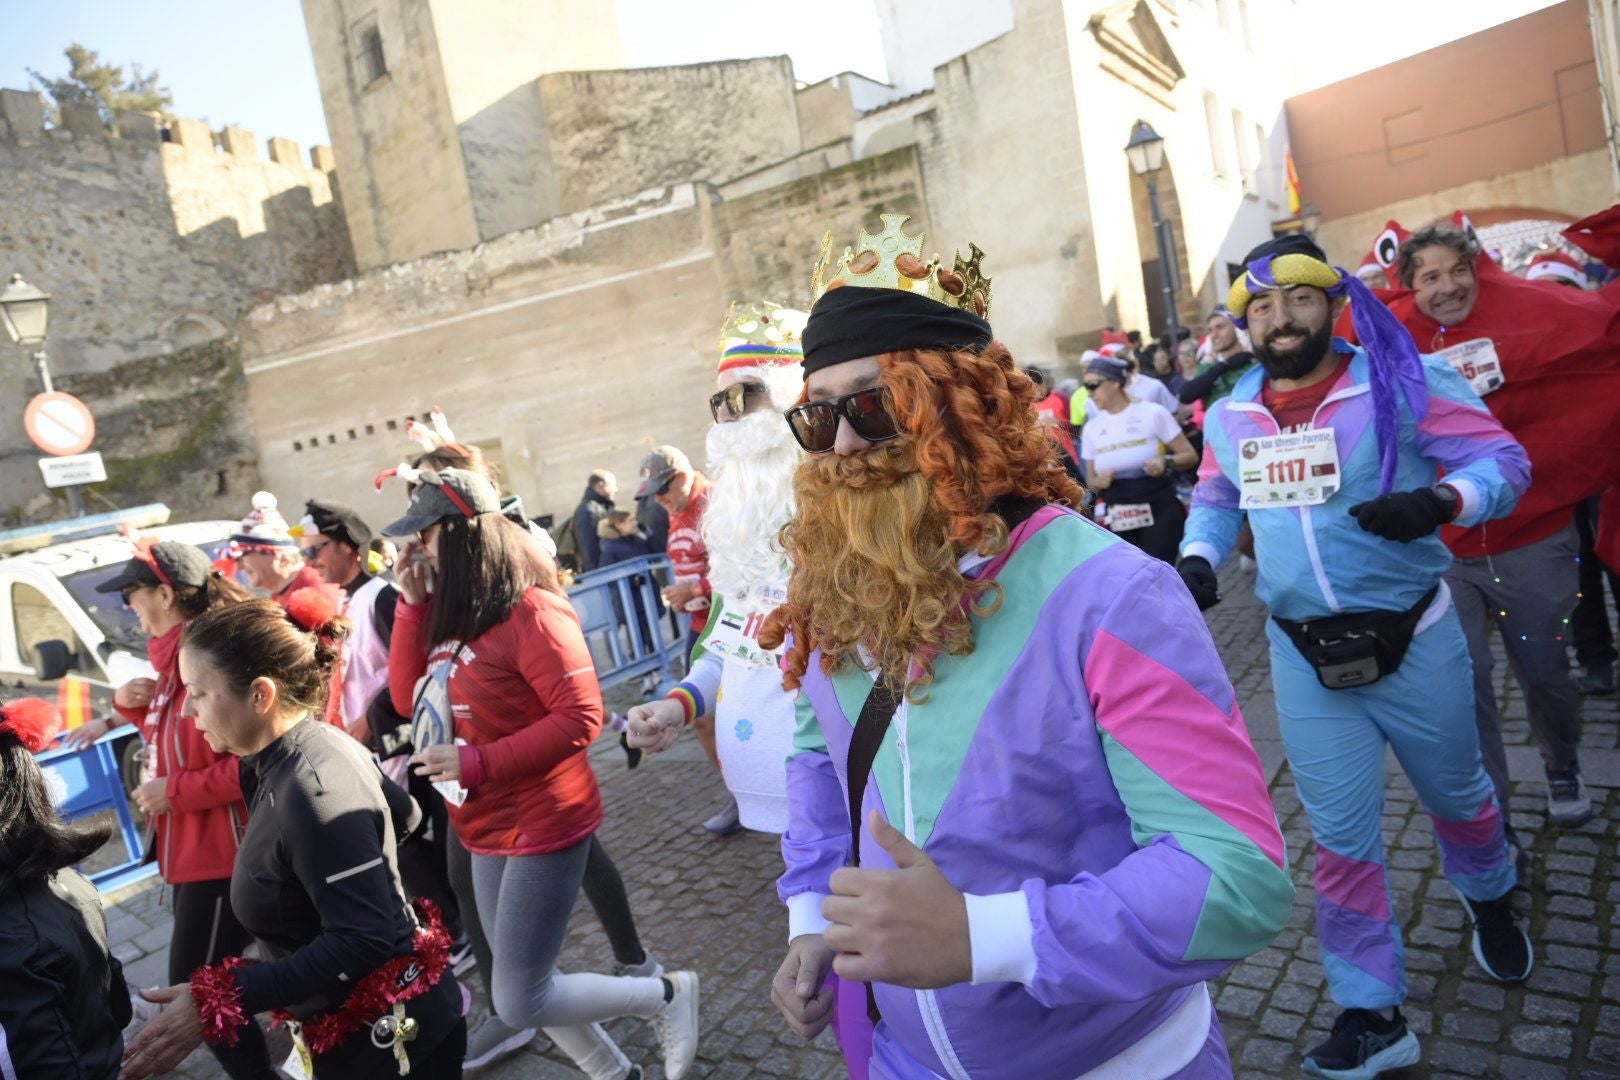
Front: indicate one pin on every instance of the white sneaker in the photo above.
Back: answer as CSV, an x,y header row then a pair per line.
x,y
676,1024
492,1040
727,821
1567,804
649,968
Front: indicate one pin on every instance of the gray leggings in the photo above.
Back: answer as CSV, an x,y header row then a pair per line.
x,y
603,887
524,902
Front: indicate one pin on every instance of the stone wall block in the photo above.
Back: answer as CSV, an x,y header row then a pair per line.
x,y
24,114
285,152
322,158
84,121
191,134
239,143
139,126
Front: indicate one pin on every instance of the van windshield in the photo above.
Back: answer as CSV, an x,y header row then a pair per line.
x,y
107,611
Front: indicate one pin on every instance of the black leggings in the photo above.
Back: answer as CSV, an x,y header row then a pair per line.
x,y
205,932
1162,539
603,887
424,858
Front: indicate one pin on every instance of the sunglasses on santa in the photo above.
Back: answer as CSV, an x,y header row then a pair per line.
x,y
815,423
734,401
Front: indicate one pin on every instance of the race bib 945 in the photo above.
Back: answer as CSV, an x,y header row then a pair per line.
x,y
1297,469
1477,362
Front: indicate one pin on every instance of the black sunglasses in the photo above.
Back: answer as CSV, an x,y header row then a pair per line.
x,y
1092,387
130,590
732,402
815,423
313,552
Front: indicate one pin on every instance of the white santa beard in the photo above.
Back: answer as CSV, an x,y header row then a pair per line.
x,y
751,465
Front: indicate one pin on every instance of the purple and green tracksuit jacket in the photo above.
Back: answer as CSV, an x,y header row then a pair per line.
x,y
1085,778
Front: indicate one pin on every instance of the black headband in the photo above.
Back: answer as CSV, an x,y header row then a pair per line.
x,y
851,322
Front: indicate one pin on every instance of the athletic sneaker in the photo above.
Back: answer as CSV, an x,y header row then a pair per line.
x,y
492,1040
632,754
649,968
676,1024
461,955
1363,1044
726,821
1501,944
1597,679
1567,804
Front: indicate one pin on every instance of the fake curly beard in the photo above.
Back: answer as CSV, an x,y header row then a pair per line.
x,y
875,578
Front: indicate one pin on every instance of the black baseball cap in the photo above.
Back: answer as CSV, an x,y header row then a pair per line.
x,y
335,520
165,562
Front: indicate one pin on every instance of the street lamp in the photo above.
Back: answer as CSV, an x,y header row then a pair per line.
x,y
25,311
1145,152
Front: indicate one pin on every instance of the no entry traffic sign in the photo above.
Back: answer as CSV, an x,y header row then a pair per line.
x,y
59,424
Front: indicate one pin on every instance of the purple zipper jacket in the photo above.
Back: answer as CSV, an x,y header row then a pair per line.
x,y
1084,775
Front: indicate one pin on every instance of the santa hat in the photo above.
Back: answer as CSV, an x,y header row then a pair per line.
x,y
1386,248
264,529
1557,266
1114,342
763,344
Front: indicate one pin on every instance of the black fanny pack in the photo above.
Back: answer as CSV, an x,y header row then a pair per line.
x,y
1359,649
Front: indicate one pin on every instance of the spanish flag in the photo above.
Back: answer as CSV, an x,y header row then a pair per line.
x,y
73,699
1294,202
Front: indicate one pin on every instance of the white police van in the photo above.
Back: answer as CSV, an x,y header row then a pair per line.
x,y
59,637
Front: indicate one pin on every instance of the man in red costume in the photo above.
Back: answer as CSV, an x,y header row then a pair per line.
x,y
1558,393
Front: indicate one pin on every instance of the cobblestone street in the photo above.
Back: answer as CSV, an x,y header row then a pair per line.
x,y
710,904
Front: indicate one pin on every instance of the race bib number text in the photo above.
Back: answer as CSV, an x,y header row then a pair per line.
x,y
1296,469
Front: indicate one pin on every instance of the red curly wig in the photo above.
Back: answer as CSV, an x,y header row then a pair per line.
x,y
969,426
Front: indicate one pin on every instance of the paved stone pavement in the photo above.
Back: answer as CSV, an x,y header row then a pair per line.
x,y
710,904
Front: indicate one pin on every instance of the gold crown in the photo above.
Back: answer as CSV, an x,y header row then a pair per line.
x,y
765,324
893,260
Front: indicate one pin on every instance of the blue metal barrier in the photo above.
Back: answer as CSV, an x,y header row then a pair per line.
x,y
624,621
86,782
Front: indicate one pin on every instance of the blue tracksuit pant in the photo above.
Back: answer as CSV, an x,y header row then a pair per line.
x,y
1335,741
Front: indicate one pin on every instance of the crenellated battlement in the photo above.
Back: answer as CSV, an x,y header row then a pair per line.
x,y
22,124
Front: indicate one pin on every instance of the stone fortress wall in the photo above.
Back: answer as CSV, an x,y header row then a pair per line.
x,y
152,237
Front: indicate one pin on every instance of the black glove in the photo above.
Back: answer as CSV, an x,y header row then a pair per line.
x,y
1403,515
1200,579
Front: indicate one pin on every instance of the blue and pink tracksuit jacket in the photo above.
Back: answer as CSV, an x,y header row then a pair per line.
x,y
1317,561
1085,777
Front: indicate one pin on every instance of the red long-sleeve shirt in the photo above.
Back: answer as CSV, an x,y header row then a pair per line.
x,y
197,838
525,698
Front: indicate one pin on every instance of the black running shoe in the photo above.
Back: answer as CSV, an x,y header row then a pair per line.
x,y
632,755
1501,944
1363,1044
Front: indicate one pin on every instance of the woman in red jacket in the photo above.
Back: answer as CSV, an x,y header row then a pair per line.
x,y
195,797
508,665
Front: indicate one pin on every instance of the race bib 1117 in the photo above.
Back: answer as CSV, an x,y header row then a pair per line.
x,y
1279,471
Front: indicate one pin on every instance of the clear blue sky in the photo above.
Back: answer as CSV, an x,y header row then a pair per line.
x,y
247,62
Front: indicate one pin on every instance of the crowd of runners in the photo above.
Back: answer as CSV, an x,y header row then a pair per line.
x,y
942,613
